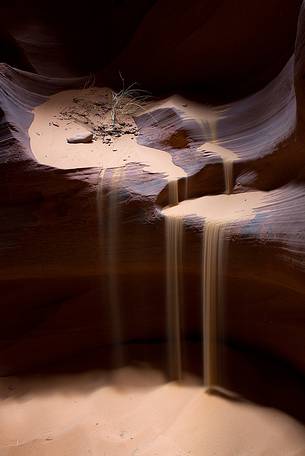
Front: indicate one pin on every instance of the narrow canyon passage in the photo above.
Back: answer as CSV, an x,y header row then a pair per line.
x,y
152,235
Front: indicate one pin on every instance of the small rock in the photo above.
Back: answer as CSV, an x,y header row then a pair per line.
x,y
80,138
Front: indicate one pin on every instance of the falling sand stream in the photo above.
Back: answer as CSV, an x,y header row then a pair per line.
x,y
108,213
174,243
212,272
212,286
211,283
219,212
212,268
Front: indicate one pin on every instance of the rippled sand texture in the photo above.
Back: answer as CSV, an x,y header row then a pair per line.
x,y
135,413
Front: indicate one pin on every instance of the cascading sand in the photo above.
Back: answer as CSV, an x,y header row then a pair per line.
x,y
174,233
174,243
108,215
218,213
228,175
212,268
212,284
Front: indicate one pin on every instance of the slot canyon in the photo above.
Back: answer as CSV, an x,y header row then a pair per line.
x,y
152,245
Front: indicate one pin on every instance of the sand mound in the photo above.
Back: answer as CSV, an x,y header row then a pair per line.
x,y
134,412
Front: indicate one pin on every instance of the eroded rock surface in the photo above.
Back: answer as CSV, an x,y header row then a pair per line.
x,y
79,233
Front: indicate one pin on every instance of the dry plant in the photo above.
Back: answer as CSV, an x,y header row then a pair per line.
x,y
90,81
111,116
128,101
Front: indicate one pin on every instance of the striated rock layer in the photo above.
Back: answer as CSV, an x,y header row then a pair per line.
x,y
82,239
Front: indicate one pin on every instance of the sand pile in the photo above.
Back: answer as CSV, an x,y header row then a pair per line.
x,y
134,412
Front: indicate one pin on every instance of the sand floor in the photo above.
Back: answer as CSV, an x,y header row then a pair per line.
x,y
134,412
